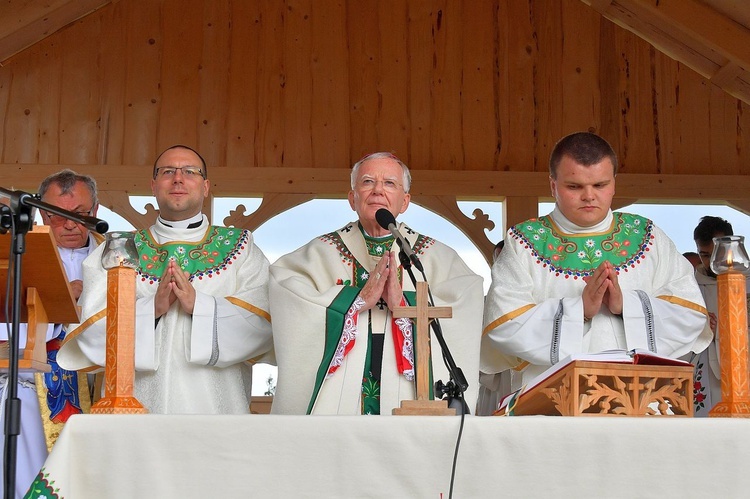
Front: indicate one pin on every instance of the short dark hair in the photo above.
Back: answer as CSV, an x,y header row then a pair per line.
x,y
180,146
66,180
710,227
585,148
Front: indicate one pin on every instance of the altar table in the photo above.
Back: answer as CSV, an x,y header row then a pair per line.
x,y
150,456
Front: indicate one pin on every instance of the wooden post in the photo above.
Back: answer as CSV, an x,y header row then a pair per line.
x,y
735,402
119,371
423,313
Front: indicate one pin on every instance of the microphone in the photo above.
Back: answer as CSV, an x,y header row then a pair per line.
x,y
95,224
387,221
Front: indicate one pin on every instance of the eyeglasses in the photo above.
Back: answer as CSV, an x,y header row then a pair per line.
x,y
368,184
57,220
187,171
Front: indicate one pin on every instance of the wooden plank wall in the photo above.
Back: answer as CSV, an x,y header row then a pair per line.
x,y
473,85
447,85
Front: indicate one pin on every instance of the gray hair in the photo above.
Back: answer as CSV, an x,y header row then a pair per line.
x,y
382,155
66,180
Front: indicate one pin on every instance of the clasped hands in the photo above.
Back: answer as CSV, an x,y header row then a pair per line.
x,y
602,288
174,285
383,283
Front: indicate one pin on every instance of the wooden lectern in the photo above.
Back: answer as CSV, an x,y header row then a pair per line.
x,y
423,405
584,388
45,292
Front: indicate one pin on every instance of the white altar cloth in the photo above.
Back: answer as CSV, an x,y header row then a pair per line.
x,y
117,456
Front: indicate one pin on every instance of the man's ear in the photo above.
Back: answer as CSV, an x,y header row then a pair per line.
x,y
407,198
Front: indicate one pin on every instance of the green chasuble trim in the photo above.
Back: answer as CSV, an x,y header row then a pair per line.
x,y
370,386
201,259
335,315
625,245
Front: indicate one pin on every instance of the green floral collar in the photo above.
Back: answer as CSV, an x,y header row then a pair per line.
x,y
625,245
376,246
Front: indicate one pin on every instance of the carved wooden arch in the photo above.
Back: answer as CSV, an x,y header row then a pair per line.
x,y
119,202
447,207
274,204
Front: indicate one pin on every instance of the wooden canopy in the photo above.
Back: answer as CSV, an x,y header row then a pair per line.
x,y
282,97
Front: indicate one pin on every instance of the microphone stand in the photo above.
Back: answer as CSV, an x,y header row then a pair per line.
x,y
457,385
18,217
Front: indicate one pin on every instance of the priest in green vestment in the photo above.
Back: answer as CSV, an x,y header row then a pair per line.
x,y
338,348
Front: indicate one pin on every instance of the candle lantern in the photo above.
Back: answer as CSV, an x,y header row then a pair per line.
x,y
120,258
730,263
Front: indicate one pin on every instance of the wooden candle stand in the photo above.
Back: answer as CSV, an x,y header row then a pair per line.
x,y
735,402
119,371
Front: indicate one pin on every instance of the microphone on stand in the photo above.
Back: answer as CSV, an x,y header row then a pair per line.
x,y
457,385
387,221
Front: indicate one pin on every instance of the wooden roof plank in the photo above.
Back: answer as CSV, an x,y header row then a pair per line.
x,y
24,23
690,32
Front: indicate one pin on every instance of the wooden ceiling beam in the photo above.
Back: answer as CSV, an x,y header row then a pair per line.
x,y
703,24
334,183
691,32
25,22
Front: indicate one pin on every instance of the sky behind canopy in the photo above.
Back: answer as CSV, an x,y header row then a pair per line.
x,y
295,227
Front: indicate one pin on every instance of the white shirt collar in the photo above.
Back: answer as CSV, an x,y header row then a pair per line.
x,y
569,227
182,224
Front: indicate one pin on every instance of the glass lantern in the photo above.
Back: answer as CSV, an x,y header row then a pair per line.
x,y
119,250
729,255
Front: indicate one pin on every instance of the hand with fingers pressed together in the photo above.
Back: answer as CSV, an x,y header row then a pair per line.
x,y
201,309
584,278
342,351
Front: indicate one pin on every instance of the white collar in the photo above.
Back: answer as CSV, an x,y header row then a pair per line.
x,y
569,227
195,221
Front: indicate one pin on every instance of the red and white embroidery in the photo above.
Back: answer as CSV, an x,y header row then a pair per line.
x,y
348,336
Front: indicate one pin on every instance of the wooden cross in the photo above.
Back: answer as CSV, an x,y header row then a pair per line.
x,y
423,314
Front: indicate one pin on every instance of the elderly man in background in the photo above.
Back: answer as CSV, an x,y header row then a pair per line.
x,y
337,345
48,400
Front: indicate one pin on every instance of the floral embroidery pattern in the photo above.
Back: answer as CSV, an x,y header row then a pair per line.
x,y
348,335
407,349
574,255
370,396
423,242
334,239
204,259
43,488
699,395
378,247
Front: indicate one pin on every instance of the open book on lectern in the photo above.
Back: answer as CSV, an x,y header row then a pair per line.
x,y
636,356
